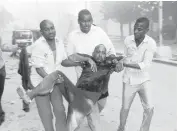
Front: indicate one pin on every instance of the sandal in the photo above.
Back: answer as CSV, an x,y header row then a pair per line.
x,y
22,93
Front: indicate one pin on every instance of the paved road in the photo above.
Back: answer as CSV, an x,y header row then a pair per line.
x,y
164,95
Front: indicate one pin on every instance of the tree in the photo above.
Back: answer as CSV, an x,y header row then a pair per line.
x,y
127,11
6,18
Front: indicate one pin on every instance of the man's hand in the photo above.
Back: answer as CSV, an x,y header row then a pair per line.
x,y
93,65
119,66
115,61
59,80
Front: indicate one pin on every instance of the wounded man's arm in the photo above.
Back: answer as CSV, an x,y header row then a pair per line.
x,y
69,63
83,58
78,57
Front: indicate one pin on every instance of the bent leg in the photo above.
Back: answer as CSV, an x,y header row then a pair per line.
x,y
74,119
94,119
44,88
101,104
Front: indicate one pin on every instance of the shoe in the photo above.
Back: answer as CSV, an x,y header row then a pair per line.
x,y
2,117
22,93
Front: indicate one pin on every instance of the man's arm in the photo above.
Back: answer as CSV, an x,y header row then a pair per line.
x,y
147,59
111,51
79,58
69,63
130,65
41,72
148,56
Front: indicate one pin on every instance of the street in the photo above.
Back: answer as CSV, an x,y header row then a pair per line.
x,y
164,89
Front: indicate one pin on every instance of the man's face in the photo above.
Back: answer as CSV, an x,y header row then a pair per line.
x,y
99,53
48,31
85,21
140,29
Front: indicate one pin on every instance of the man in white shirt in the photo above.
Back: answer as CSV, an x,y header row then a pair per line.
x,y
139,51
84,41
47,56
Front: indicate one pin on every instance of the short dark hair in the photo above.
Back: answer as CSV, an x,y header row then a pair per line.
x,y
145,20
84,12
42,23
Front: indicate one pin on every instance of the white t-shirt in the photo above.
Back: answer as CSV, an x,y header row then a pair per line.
x,y
79,42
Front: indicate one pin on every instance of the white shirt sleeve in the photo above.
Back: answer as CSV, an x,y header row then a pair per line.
x,y
64,54
125,47
70,45
148,56
106,41
38,57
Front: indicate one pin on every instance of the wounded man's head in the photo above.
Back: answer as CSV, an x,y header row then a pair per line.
x,y
99,53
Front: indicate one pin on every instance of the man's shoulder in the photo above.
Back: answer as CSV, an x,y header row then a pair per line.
x,y
151,41
97,29
74,32
38,45
39,41
130,37
59,40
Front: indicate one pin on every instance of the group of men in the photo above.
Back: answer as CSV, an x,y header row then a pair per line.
x,y
48,54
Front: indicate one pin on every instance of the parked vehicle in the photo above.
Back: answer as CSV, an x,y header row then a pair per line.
x,y
22,37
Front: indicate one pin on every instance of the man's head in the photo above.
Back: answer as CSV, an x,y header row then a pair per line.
x,y
47,29
85,20
141,27
99,53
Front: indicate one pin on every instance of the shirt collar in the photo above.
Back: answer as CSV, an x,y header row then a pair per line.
x,y
144,41
92,27
44,40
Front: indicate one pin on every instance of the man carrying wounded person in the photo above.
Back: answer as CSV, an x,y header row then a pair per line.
x,y
90,85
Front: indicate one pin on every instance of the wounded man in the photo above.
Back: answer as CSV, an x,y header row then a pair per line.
x,y
90,86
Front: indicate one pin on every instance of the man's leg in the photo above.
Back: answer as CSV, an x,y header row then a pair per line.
x,y
25,107
128,95
2,82
94,119
44,88
74,119
145,97
102,103
45,111
58,109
